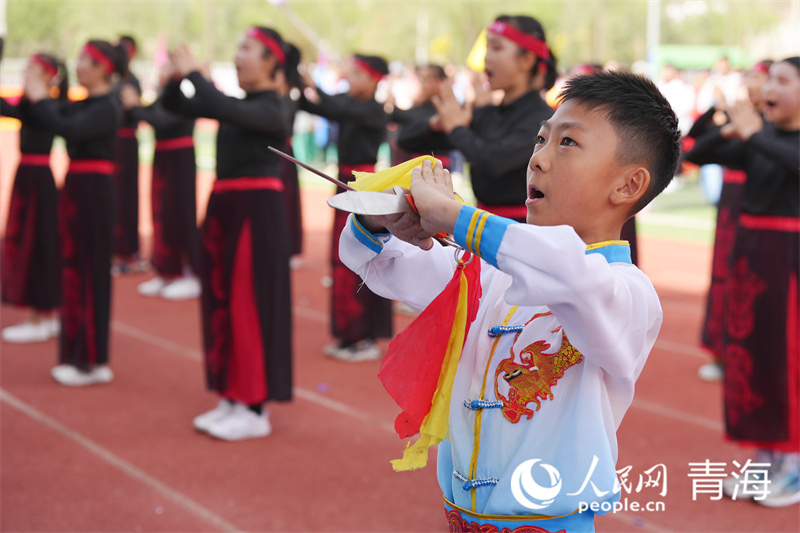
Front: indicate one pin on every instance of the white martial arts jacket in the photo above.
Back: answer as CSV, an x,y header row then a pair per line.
x,y
550,409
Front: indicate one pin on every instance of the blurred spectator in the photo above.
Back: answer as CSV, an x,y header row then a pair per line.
x,y
679,94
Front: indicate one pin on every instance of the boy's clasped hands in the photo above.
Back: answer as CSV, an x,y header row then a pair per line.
x,y
437,210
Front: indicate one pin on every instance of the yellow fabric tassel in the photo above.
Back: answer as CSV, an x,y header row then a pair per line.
x,y
435,425
391,177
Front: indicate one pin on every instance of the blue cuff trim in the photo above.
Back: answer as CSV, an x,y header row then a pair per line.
x,y
613,251
364,236
481,232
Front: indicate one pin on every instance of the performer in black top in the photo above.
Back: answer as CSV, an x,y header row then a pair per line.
x,y
497,140
358,316
30,273
176,239
413,136
761,340
293,83
730,200
126,229
85,210
246,300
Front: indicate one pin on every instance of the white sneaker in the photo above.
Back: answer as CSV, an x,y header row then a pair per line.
x,y
71,376
365,350
240,424
152,287
748,487
28,332
185,288
711,372
784,487
55,325
204,421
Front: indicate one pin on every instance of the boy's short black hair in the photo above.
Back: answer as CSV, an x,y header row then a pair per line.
x,y
646,125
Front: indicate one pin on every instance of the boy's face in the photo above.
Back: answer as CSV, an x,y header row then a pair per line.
x,y
572,171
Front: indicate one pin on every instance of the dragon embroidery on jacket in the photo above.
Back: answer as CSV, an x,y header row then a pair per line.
x,y
532,380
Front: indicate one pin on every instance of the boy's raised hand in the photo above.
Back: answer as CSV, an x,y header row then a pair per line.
x,y
437,210
432,190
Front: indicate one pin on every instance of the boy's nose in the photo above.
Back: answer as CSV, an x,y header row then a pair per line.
x,y
538,162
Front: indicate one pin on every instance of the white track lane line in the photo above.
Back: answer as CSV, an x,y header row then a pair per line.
x,y
117,462
345,409
305,394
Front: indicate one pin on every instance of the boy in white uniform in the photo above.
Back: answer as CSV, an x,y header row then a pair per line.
x,y
565,322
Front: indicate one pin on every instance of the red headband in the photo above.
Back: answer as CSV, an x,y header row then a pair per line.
x,y
527,42
363,65
760,67
100,57
270,43
45,64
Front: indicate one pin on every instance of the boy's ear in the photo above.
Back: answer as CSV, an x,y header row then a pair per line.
x,y
631,186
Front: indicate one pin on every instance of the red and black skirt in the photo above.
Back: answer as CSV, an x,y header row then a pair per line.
x,y
246,300
357,313
30,256
126,230
291,194
86,224
176,238
762,334
727,219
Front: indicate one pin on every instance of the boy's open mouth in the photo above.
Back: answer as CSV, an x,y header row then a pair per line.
x,y
534,193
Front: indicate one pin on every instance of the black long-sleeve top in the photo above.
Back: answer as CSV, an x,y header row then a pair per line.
x,y
89,126
498,145
129,120
35,137
247,127
362,125
414,134
166,124
771,159
292,107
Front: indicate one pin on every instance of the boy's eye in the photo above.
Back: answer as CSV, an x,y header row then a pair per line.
x,y
539,139
566,141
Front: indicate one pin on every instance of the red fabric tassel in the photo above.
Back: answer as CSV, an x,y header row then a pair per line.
x,y
410,370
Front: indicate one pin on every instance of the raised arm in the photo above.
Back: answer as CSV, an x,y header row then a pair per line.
x,y
395,269
496,158
156,115
610,313
257,115
417,137
174,100
784,152
342,108
711,148
90,122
